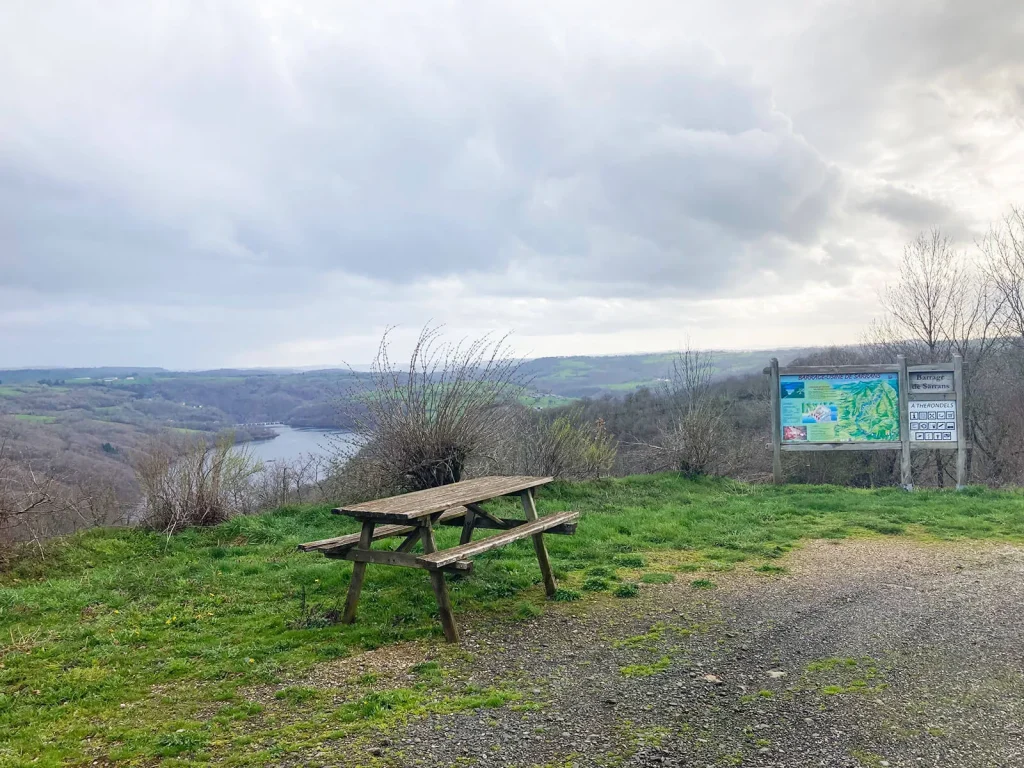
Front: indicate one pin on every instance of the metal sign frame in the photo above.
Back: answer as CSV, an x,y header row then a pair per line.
x,y
906,397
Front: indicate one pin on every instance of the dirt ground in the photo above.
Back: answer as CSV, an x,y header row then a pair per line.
x,y
864,653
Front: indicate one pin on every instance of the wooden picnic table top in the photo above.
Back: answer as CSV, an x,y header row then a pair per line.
x,y
410,506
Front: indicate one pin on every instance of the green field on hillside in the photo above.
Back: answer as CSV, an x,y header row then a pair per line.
x,y
130,647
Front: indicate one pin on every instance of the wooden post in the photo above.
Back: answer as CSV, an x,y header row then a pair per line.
x,y
444,603
358,574
467,526
776,421
530,508
906,472
961,433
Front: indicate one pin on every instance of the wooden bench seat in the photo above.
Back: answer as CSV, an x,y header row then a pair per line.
x,y
446,557
341,543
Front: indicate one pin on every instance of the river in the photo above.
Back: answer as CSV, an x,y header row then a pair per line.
x,y
291,443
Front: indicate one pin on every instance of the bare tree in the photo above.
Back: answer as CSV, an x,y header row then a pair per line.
x,y
937,307
693,436
1003,249
38,501
424,424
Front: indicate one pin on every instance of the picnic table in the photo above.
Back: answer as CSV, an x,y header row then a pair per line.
x,y
416,516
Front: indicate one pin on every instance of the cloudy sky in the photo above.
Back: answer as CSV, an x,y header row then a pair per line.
x,y
196,184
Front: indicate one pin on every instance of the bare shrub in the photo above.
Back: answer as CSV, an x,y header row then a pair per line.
x,y
694,438
299,481
425,424
192,483
39,501
563,445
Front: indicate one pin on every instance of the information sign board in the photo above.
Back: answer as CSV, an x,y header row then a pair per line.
x,y
931,382
840,408
933,421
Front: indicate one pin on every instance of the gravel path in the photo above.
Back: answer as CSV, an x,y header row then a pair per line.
x,y
866,653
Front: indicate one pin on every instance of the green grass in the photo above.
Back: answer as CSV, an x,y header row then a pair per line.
x,y
131,647
35,419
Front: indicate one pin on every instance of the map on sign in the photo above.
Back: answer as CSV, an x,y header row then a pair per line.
x,y
840,408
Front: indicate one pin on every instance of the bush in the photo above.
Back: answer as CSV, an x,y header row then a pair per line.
x,y
564,446
566,595
629,589
192,484
422,427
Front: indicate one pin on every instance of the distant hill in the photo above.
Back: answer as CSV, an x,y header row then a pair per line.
x,y
595,375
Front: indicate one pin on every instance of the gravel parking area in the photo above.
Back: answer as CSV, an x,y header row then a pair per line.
x,y
863,653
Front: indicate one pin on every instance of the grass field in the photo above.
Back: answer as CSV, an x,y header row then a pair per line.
x,y
130,647
35,418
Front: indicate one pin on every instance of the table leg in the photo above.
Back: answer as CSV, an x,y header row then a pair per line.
x,y
467,526
358,574
444,603
538,544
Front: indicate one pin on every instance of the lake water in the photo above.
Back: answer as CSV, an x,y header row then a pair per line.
x,y
291,443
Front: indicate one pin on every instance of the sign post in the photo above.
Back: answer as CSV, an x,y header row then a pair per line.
x,y
869,407
906,467
961,433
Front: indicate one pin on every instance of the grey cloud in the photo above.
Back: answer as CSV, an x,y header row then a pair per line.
x,y
915,210
307,169
247,160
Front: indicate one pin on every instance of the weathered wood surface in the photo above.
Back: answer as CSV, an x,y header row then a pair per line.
x,y
440,587
505,524
381,532
906,467
538,543
773,371
527,529
481,512
961,422
385,557
410,506
358,574
809,370
888,445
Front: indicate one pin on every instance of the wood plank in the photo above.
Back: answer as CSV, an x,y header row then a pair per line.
x,y
906,467
358,574
776,402
890,445
410,541
381,532
481,512
806,370
529,528
468,524
504,524
383,557
440,587
538,544
961,422
409,506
